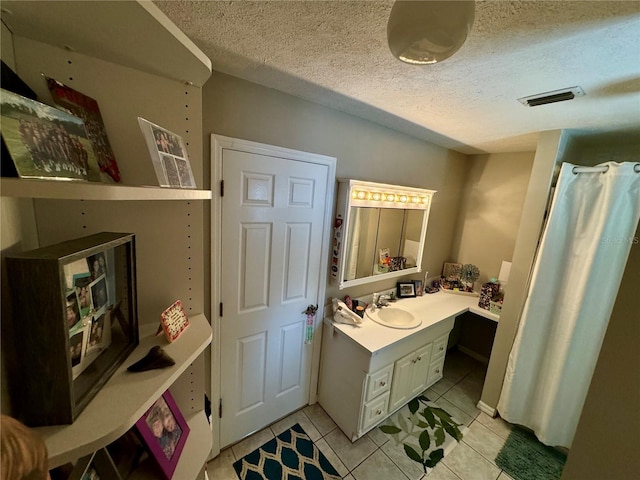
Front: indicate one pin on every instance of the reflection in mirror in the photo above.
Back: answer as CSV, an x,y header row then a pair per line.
x,y
377,235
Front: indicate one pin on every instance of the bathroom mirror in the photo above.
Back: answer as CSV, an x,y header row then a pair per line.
x,y
380,231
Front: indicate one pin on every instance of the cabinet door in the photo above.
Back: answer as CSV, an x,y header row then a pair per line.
x,y
401,384
420,370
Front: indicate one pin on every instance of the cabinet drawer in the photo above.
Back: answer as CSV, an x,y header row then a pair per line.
x,y
439,347
435,371
374,411
378,382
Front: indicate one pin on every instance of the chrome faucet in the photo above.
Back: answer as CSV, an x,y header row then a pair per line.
x,y
381,300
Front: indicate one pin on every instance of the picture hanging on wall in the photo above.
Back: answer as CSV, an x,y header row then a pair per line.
x,y
169,156
87,109
45,142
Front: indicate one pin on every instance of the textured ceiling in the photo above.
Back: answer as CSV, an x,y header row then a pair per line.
x,y
335,53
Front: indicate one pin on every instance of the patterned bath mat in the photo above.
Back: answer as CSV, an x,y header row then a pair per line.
x,y
290,456
424,432
523,457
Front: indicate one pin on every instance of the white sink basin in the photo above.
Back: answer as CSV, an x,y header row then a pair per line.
x,y
393,317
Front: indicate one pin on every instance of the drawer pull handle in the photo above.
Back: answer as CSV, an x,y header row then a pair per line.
x,y
378,412
442,348
419,358
437,370
382,384
414,360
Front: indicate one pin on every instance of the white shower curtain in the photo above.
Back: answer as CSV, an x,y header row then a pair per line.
x,y
575,279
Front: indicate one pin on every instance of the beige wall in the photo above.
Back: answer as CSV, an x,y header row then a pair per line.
x,y
606,441
364,150
550,148
491,209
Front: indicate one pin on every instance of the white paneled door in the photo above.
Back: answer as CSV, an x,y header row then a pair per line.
x,y
273,215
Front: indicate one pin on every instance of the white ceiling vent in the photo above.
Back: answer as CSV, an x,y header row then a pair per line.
x,y
552,97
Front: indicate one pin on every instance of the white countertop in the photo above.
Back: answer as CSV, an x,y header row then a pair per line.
x,y
431,308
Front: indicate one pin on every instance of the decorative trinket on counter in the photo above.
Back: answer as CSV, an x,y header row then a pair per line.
x,y
488,291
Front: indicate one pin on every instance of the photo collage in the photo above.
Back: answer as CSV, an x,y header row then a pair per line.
x,y
88,283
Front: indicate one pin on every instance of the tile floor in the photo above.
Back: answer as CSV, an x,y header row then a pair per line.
x,y
369,458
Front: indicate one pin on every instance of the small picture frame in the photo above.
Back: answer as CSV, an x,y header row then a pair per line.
x,y
168,155
406,289
95,466
87,109
174,320
419,287
164,432
45,142
451,271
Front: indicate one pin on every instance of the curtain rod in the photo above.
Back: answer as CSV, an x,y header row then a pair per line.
x,y
602,169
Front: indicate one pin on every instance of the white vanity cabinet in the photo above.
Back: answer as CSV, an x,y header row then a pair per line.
x,y
359,387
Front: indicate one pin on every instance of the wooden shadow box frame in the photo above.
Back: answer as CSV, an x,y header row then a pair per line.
x,y
73,321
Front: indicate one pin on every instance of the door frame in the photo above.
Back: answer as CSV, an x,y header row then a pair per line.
x,y
218,144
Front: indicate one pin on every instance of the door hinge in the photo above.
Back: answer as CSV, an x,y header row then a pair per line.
x,y
220,409
222,188
221,309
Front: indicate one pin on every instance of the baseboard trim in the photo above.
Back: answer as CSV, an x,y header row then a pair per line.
x,y
473,354
487,409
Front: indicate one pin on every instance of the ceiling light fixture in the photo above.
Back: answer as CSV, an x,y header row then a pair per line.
x,y
425,32
552,97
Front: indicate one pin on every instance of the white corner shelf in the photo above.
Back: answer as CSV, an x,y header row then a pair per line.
x,y
71,190
127,396
105,30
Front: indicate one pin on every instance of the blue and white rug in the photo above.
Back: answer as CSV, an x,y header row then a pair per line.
x,y
290,456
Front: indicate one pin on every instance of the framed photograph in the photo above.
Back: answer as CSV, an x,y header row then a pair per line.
x,y
81,283
87,109
96,466
419,288
451,271
83,330
164,432
406,289
45,142
174,320
98,291
168,155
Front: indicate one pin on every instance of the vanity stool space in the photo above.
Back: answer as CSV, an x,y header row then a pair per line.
x,y
368,372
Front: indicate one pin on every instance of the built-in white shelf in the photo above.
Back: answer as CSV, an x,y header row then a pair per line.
x,y
72,190
127,396
134,34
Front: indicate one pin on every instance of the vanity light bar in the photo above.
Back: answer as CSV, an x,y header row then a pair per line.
x,y
402,198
